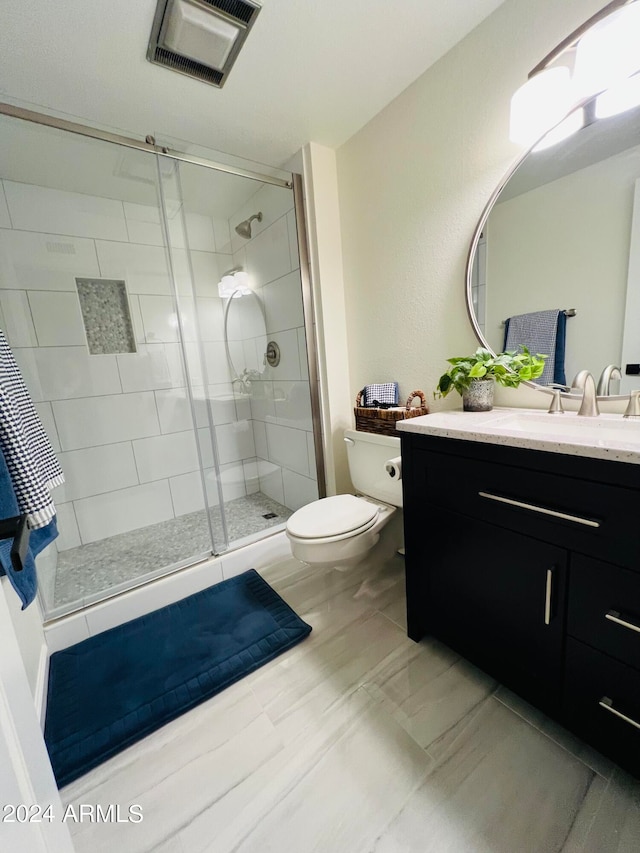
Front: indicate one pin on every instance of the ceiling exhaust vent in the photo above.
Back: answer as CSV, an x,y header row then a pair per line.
x,y
201,38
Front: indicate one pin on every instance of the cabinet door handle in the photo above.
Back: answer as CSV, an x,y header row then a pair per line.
x,y
614,616
547,597
607,704
588,522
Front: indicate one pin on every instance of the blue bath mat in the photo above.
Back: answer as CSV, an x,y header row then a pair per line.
x,y
113,689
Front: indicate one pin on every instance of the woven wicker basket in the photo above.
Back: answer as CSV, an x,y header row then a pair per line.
x,y
383,421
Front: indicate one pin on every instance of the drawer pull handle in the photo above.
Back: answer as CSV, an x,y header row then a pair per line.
x,y
614,616
542,509
607,704
547,597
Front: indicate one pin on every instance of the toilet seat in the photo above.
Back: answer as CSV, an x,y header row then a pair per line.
x,y
332,519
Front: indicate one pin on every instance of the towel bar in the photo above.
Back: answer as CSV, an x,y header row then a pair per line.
x,y
568,312
17,529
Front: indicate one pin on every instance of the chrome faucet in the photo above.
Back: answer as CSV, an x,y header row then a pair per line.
x,y
633,409
579,380
604,383
589,406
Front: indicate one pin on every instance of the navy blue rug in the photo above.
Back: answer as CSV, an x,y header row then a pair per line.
x,y
113,689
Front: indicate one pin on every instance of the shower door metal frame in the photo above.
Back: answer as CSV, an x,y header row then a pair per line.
x,y
148,145
295,184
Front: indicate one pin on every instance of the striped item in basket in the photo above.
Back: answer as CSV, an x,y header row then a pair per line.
x,y
385,392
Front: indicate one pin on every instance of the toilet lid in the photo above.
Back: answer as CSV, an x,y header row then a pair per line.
x,y
335,516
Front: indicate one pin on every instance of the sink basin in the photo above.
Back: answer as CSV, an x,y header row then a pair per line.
x,y
603,431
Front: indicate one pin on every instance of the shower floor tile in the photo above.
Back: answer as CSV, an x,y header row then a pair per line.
x,y
86,571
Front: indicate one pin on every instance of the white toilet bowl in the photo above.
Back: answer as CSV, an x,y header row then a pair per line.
x,y
339,531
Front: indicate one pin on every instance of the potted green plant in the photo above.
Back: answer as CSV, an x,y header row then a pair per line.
x,y
474,376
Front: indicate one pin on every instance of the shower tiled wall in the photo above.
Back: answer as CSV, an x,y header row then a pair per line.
x,y
280,400
121,423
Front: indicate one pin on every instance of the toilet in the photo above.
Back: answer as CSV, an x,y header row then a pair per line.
x,y
341,530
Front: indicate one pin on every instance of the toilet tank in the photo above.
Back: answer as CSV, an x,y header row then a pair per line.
x,y
367,454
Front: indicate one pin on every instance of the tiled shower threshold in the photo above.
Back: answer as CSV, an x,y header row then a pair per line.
x,y
86,574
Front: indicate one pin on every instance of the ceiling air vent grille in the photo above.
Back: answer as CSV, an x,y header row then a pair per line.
x,y
201,38
237,9
188,66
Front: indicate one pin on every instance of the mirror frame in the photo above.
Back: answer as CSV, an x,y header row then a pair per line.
x,y
236,376
472,253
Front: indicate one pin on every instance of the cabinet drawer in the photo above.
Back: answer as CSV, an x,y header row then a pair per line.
x,y
604,608
602,703
584,516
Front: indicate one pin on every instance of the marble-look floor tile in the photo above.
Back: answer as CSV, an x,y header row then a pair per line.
x,y
429,689
295,696
308,586
593,759
501,787
175,773
616,825
331,791
173,845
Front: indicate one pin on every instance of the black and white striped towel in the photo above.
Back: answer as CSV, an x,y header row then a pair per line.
x,y
32,464
538,332
384,392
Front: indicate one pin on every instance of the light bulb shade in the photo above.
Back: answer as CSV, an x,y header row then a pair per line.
x,y
540,104
623,97
609,52
226,286
234,284
241,280
564,130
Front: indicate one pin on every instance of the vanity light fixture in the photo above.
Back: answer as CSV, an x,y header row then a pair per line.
x,y
623,97
234,283
540,104
201,38
600,57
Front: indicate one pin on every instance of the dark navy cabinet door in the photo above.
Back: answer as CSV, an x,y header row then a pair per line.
x,y
498,597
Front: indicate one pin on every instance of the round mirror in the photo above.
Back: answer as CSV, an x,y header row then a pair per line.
x,y
559,240
245,335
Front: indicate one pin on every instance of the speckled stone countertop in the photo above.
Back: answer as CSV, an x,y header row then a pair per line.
x,y
609,437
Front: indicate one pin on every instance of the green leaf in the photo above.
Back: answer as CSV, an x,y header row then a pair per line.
x,y
477,371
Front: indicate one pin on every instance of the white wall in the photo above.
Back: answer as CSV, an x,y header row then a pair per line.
x,y
562,243
413,184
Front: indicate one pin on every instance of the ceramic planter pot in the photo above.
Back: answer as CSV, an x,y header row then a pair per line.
x,y
479,396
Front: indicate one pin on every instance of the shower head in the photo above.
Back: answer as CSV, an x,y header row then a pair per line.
x,y
244,228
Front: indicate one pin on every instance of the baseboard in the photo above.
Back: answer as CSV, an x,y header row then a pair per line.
x,y
42,683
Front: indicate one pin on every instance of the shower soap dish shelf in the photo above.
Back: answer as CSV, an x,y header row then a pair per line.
x,y
383,421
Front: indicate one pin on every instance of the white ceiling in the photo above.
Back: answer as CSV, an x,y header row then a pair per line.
x,y
310,70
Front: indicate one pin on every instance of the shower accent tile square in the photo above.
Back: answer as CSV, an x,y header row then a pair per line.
x,y
106,316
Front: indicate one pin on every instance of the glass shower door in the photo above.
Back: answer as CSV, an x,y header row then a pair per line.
x,y
91,313
240,294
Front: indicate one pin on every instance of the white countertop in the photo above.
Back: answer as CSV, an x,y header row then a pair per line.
x,y
608,436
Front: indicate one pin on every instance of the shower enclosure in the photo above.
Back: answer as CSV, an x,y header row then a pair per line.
x,y
140,291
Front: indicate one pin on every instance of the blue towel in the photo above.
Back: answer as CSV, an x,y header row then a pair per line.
x,y
25,582
543,332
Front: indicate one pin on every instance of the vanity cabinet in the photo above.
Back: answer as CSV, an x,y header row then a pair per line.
x,y
528,564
